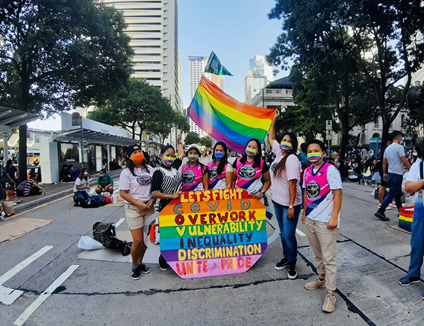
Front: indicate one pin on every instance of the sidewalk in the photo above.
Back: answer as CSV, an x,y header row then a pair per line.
x,y
53,191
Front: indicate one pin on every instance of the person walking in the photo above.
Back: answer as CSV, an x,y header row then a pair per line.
x,y
415,184
394,163
134,188
323,201
220,171
286,195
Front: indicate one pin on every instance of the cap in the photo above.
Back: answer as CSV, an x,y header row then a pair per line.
x,y
194,146
131,149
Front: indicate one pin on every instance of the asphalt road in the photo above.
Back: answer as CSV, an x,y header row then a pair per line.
x,y
372,257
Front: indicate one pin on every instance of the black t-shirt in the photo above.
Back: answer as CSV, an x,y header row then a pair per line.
x,y
11,172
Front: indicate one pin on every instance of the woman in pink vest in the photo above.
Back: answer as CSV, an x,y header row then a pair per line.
x,y
194,174
251,172
286,194
220,171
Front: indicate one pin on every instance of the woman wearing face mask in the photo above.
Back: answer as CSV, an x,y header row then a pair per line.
x,y
220,171
82,184
166,183
250,170
194,174
134,188
286,194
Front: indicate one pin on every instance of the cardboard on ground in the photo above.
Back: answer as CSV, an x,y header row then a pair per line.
x,y
151,256
16,229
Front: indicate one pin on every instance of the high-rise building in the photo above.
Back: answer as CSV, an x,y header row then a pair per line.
x,y
153,28
260,75
197,67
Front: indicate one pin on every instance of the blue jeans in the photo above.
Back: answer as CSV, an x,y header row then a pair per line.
x,y
287,231
417,242
395,192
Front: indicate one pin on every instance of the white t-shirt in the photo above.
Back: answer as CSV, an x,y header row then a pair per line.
x,y
280,183
414,176
81,183
324,211
138,186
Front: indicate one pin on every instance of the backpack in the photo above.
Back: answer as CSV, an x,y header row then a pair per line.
x,y
21,186
104,233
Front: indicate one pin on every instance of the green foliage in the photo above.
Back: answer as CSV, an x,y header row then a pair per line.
x,y
163,127
206,141
137,106
58,54
192,138
415,106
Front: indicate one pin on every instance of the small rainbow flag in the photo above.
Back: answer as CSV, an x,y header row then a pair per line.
x,y
226,119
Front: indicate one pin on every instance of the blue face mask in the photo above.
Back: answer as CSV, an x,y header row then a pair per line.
x,y
219,155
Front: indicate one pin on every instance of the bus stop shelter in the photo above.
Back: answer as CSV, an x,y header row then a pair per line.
x,y
10,119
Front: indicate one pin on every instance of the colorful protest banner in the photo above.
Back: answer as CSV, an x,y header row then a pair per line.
x,y
213,232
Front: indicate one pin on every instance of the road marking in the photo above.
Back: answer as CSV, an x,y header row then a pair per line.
x,y
11,298
43,296
8,275
119,222
300,233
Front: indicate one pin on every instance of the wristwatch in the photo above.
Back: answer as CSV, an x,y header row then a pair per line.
x,y
263,192
291,206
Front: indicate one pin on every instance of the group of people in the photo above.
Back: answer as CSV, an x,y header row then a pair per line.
x,y
145,190
27,187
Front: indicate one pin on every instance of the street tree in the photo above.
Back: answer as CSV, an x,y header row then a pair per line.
x,y
136,107
415,109
163,127
328,77
192,138
206,141
56,55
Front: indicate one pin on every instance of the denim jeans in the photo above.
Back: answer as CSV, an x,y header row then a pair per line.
x,y
287,231
395,192
417,242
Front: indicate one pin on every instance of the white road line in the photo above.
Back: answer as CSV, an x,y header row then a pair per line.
x,y
300,233
11,298
119,222
43,296
15,270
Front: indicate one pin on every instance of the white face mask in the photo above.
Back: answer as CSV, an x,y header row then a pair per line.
x,y
415,154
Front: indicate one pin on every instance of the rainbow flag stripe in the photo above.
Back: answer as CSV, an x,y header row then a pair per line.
x,y
226,119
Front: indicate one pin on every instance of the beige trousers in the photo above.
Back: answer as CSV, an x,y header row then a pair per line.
x,y
323,243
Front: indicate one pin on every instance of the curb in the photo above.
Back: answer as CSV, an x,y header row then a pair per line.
x,y
46,199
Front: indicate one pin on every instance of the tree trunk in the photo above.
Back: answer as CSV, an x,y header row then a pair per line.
x,y
343,144
23,131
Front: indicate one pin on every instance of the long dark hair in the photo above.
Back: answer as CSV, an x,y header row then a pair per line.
x,y
257,160
224,160
81,175
131,166
282,164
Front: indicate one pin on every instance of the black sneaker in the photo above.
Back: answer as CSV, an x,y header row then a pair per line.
x,y
381,216
144,269
136,273
163,265
407,280
282,264
292,274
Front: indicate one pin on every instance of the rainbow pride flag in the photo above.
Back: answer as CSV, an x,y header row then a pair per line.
x,y
226,119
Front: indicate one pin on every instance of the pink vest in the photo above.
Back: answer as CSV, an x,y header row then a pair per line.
x,y
214,178
316,187
192,177
247,174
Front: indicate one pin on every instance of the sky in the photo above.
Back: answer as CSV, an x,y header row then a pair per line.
x,y
235,30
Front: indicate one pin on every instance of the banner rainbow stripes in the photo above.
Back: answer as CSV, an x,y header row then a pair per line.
x,y
226,119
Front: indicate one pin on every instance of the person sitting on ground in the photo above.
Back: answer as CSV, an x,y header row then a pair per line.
x,y
104,182
32,188
11,174
82,184
65,175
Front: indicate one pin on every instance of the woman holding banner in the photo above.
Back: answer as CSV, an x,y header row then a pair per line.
x,y
286,194
220,171
166,183
250,170
194,174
